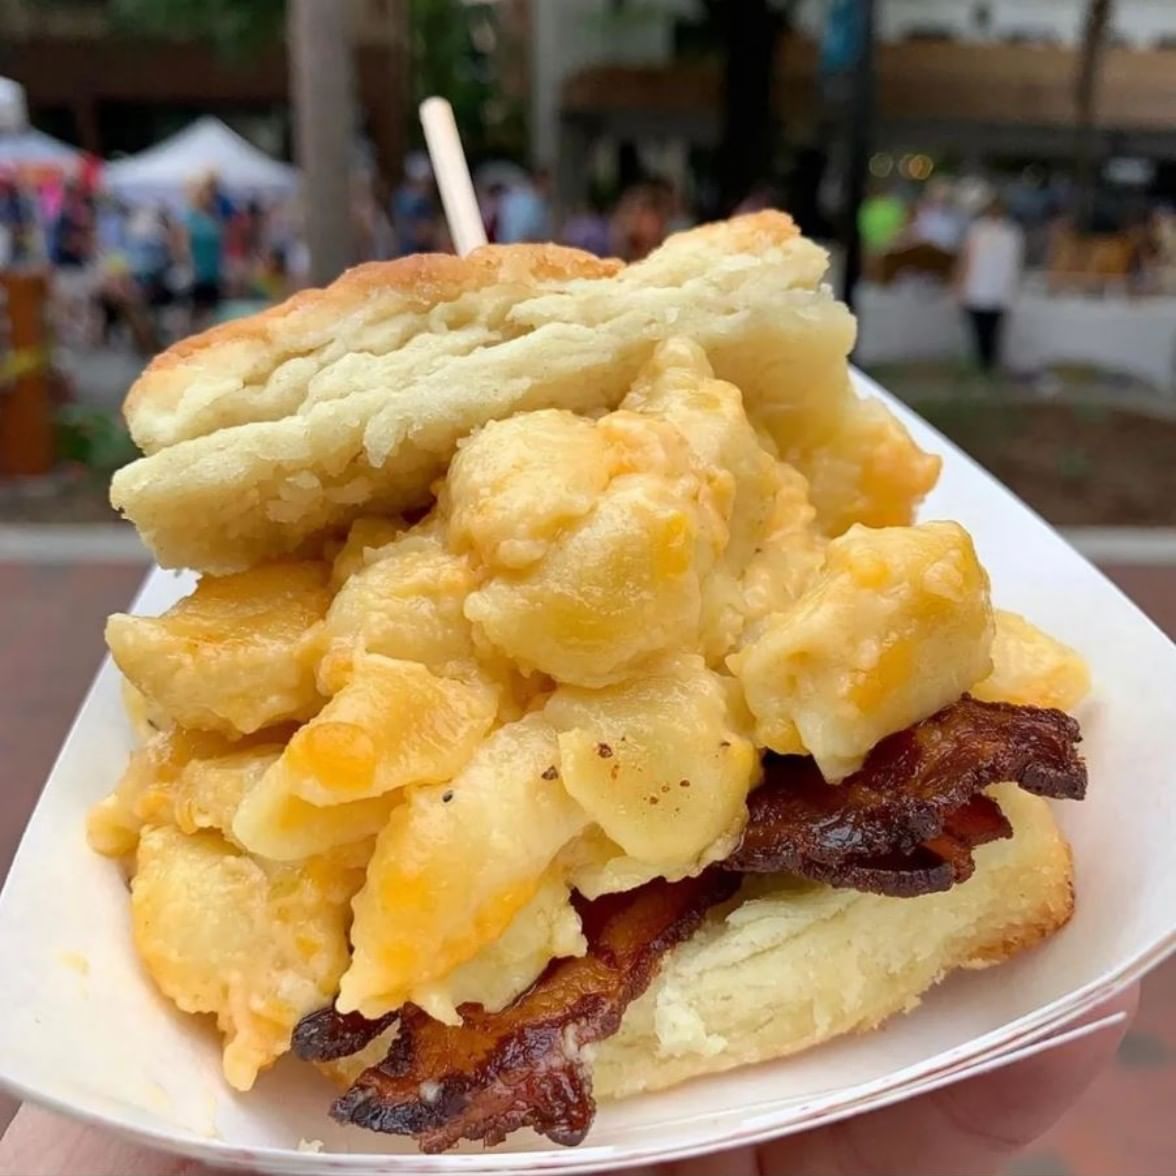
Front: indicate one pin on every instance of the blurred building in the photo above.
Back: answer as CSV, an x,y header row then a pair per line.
x,y
976,80
1138,24
99,85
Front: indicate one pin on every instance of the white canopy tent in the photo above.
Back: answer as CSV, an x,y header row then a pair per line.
x,y
14,111
33,150
207,146
24,149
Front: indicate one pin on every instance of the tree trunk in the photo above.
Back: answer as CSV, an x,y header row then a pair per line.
x,y
860,112
1094,37
323,95
745,158
382,86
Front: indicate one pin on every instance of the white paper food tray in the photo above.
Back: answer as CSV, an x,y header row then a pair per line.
x,y
83,1030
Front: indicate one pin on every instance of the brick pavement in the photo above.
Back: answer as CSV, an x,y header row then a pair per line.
x,y
50,645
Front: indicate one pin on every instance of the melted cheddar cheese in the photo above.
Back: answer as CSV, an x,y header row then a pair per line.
x,y
376,777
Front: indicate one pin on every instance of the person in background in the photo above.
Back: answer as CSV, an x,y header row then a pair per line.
x,y
937,220
116,294
72,238
75,277
121,305
1033,201
524,211
110,225
881,220
760,196
639,222
372,231
988,278
206,251
10,224
223,207
490,206
150,256
674,211
243,242
383,234
1142,234
21,240
279,232
1163,229
273,280
415,218
588,227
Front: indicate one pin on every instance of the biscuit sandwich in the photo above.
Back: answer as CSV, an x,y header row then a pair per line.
x,y
569,704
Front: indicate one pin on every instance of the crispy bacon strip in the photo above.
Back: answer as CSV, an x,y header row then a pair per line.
x,y
890,819
905,824
326,1035
896,875
938,864
977,822
522,1067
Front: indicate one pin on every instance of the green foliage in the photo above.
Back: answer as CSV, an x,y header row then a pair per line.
x,y
93,438
1075,464
235,27
980,424
457,50
1092,413
622,20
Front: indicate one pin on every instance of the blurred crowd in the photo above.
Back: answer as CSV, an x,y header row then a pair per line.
x,y
1124,244
517,207
979,239
154,271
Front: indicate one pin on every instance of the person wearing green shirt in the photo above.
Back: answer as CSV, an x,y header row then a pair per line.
x,y
881,220
205,236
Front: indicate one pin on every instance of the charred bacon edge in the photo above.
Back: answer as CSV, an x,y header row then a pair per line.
x,y
327,1035
532,1075
905,792
522,1067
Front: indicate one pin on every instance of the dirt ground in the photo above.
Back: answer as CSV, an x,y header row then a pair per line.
x,y
1076,464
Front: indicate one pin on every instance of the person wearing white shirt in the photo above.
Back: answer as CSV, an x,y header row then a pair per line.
x,y
988,278
938,219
